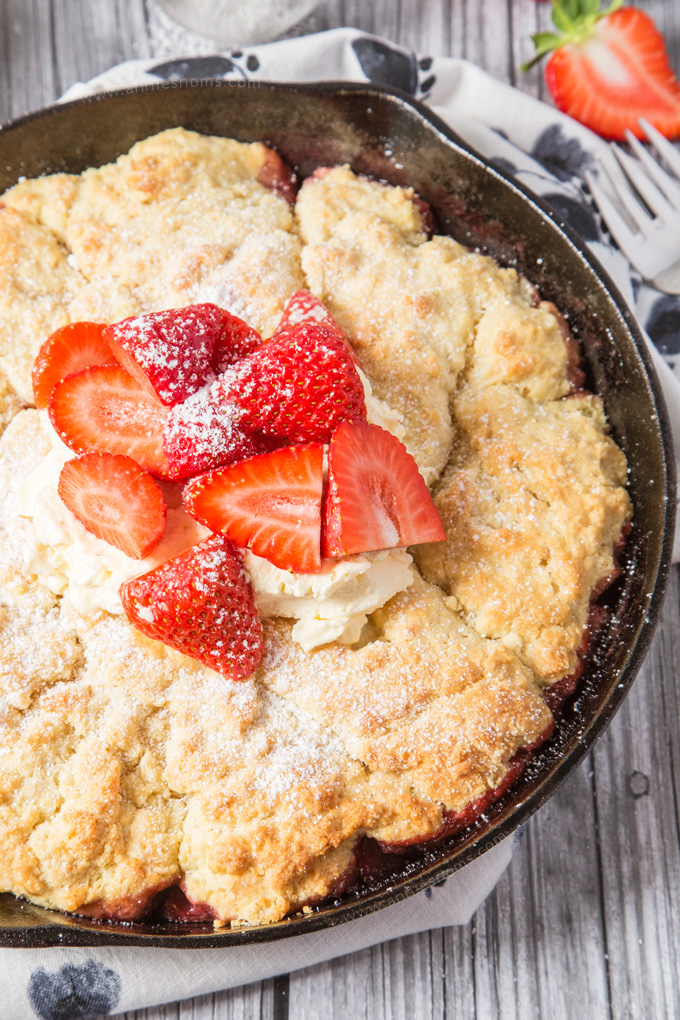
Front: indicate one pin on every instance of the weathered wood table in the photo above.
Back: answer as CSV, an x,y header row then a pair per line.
x,y
586,922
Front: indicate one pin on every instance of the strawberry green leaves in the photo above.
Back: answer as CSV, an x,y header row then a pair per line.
x,y
574,21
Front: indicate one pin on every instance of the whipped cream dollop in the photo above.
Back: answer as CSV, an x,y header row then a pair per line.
x,y
378,412
332,605
70,561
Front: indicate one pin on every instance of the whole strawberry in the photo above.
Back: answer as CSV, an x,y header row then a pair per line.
x,y
609,68
201,604
301,384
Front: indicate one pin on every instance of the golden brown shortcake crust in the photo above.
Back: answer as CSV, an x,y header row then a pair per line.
x,y
127,767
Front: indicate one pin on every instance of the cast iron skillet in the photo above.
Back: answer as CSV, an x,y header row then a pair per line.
x,y
392,137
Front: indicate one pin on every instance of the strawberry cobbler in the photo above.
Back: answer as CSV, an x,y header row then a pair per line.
x,y
304,509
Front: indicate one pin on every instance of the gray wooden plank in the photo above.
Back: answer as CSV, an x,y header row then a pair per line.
x,y
525,19
637,777
48,46
484,36
88,38
549,932
28,56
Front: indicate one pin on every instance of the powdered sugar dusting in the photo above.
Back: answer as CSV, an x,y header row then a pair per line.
x,y
204,432
173,349
256,779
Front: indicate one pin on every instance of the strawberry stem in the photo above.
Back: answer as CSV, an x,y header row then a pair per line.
x,y
575,22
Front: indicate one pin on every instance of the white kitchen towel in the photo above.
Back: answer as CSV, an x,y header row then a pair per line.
x,y
71,984
549,153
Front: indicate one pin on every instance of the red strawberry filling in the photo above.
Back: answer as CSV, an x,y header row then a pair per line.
x,y
278,176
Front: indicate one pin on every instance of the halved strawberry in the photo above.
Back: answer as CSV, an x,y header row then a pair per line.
x,y
115,500
68,350
170,352
609,68
235,340
375,497
104,409
270,504
305,307
199,436
201,604
301,384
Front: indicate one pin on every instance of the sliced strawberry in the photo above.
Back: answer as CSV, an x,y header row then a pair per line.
x,y
200,435
115,500
301,384
305,307
270,504
201,604
104,409
609,68
376,497
170,352
68,350
235,340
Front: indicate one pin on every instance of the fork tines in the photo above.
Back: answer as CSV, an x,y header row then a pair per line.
x,y
640,202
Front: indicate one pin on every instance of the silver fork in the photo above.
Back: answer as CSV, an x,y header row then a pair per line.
x,y
640,203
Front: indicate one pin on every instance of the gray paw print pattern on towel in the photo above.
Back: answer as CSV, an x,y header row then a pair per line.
x,y
74,992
